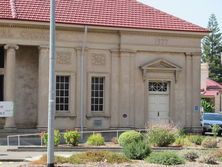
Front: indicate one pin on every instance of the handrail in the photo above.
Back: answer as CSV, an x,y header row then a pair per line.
x,y
84,132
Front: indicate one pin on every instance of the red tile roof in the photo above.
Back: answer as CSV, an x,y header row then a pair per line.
x,y
213,88
111,13
210,93
213,85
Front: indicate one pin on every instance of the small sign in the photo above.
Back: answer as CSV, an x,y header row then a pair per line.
x,y
6,109
196,109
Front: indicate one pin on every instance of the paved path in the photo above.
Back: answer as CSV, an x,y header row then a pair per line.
x,y
15,159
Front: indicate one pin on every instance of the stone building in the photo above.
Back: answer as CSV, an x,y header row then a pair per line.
x,y
210,89
140,65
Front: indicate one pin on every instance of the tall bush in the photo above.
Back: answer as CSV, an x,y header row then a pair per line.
x,y
160,137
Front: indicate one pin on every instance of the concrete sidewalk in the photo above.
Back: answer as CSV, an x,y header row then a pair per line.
x,y
21,159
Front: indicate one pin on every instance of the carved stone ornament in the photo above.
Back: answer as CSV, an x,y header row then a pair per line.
x,y
30,35
63,58
5,33
98,59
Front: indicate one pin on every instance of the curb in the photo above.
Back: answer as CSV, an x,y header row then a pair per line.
x,y
64,149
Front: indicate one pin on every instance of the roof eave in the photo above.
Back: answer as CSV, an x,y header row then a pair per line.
x,y
16,22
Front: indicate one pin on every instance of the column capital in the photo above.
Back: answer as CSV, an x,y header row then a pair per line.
x,y
43,47
11,46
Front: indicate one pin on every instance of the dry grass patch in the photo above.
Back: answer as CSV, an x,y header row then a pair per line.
x,y
87,157
41,161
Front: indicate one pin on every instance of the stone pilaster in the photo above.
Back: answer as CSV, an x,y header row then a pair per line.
x,y
43,88
10,81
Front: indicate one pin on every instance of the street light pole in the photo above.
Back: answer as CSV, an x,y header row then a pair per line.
x,y
51,102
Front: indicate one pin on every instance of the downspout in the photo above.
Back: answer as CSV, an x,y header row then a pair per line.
x,y
82,81
220,100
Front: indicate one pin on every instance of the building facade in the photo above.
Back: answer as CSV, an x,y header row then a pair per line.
x,y
132,74
211,90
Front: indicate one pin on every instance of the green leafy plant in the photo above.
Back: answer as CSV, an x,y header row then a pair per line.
x,y
136,150
180,133
96,140
160,137
165,158
209,142
196,139
207,105
215,130
129,136
57,138
191,156
72,137
182,141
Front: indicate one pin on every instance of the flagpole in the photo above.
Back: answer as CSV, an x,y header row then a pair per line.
x,y
51,102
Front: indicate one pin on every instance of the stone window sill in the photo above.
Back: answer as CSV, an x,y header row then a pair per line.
x,y
97,114
64,114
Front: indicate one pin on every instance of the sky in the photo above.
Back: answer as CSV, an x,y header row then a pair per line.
x,y
194,11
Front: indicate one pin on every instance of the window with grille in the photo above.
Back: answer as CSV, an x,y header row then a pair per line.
x,y
62,93
97,93
158,86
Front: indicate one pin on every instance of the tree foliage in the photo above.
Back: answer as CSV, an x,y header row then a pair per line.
x,y
212,48
207,105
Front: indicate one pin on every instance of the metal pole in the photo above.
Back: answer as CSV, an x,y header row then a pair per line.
x,y
82,83
51,102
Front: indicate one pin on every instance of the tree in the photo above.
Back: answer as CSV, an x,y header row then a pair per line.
x,y
212,48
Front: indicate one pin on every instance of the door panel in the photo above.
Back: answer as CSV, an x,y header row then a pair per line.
x,y
158,107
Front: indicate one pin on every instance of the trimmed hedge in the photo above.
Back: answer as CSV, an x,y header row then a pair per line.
x,y
129,136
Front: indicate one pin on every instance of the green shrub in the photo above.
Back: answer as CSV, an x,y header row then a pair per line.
x,y
160,137
72,137
57,138
215,130
136,150
180,141
208,160
191,156
164,158
207,105
129,136
196,139
96,140
209,142
180,133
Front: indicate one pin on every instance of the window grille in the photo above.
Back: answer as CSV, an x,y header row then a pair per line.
x,y
62,93
97,93
158,86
